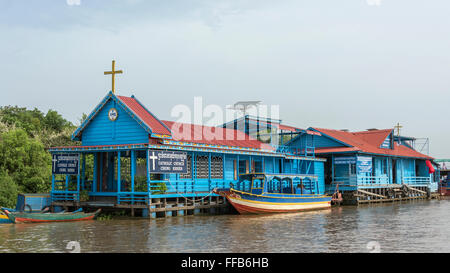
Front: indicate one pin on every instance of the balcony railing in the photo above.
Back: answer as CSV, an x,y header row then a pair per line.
x,y
377,180
371,180
306,151
417,180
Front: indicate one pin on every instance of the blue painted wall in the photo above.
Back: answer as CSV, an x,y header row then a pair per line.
x,y
102,131
319,171
317,141
269,165
422,169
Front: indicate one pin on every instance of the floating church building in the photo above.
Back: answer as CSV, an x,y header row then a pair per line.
x,y
128,158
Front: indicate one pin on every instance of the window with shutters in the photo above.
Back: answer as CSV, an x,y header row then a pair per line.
x,y
202,167
258,167
217,167
188,175
243,166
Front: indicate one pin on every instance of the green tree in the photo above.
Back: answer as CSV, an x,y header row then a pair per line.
x,y
26,161
55,122
29,120
8,191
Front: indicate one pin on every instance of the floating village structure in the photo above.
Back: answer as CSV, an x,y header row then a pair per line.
x,y
130,159
444,170
374,165
368,166
126,145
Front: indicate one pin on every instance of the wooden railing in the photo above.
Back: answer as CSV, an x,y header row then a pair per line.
x,y
417,180
306,151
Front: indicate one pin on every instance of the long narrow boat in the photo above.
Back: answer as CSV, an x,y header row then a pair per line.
x,y
22,217
258,193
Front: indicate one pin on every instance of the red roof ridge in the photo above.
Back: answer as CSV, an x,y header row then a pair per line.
x,y
377,131
145,115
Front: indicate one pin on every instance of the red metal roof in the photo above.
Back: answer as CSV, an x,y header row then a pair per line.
x,y
148,118
287,128
194,133
198,133
367,142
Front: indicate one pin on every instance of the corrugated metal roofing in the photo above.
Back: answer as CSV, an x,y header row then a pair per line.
x,y
213,136
148,118
367,142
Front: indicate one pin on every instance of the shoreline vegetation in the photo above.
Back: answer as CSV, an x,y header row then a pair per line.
x,y
25,137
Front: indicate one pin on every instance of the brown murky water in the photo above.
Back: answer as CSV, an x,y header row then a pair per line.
x,y
422,226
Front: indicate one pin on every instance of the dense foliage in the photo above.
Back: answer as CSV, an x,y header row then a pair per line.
x,y
25,163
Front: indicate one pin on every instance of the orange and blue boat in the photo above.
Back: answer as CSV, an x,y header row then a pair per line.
x,y
258,193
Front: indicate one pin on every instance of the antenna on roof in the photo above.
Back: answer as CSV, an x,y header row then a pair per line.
x,y
244,106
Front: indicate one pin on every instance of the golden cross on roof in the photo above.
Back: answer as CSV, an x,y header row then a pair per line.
x,y
398,126
113,73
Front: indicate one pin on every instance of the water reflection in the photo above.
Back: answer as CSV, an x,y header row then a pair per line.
x,y
421,226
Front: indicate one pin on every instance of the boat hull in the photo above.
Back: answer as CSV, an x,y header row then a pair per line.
x,y
260,204
444,189
50,217
4,220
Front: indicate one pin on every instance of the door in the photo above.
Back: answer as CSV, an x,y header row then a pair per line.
x,y
105,174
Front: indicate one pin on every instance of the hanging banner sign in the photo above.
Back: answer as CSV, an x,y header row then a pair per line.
x,y
364,164
344,160
165,162
67,164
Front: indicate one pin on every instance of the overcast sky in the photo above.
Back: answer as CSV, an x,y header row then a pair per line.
x,y
347,64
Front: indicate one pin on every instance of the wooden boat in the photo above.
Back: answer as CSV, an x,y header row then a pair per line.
x,y
271,193
444,188
4,219
22,217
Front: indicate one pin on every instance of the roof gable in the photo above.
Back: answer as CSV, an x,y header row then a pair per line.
x,y
158,128
153,126
335,135
101,130
376,137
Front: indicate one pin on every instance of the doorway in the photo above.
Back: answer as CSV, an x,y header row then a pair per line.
x,y
105,173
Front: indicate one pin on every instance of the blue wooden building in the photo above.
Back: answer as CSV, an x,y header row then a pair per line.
x,y
116,156
371,164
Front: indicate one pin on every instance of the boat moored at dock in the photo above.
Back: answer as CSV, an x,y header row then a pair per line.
x,y
23,217
4,219
258,193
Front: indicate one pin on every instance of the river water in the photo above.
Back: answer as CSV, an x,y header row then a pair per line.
x,y
419,226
